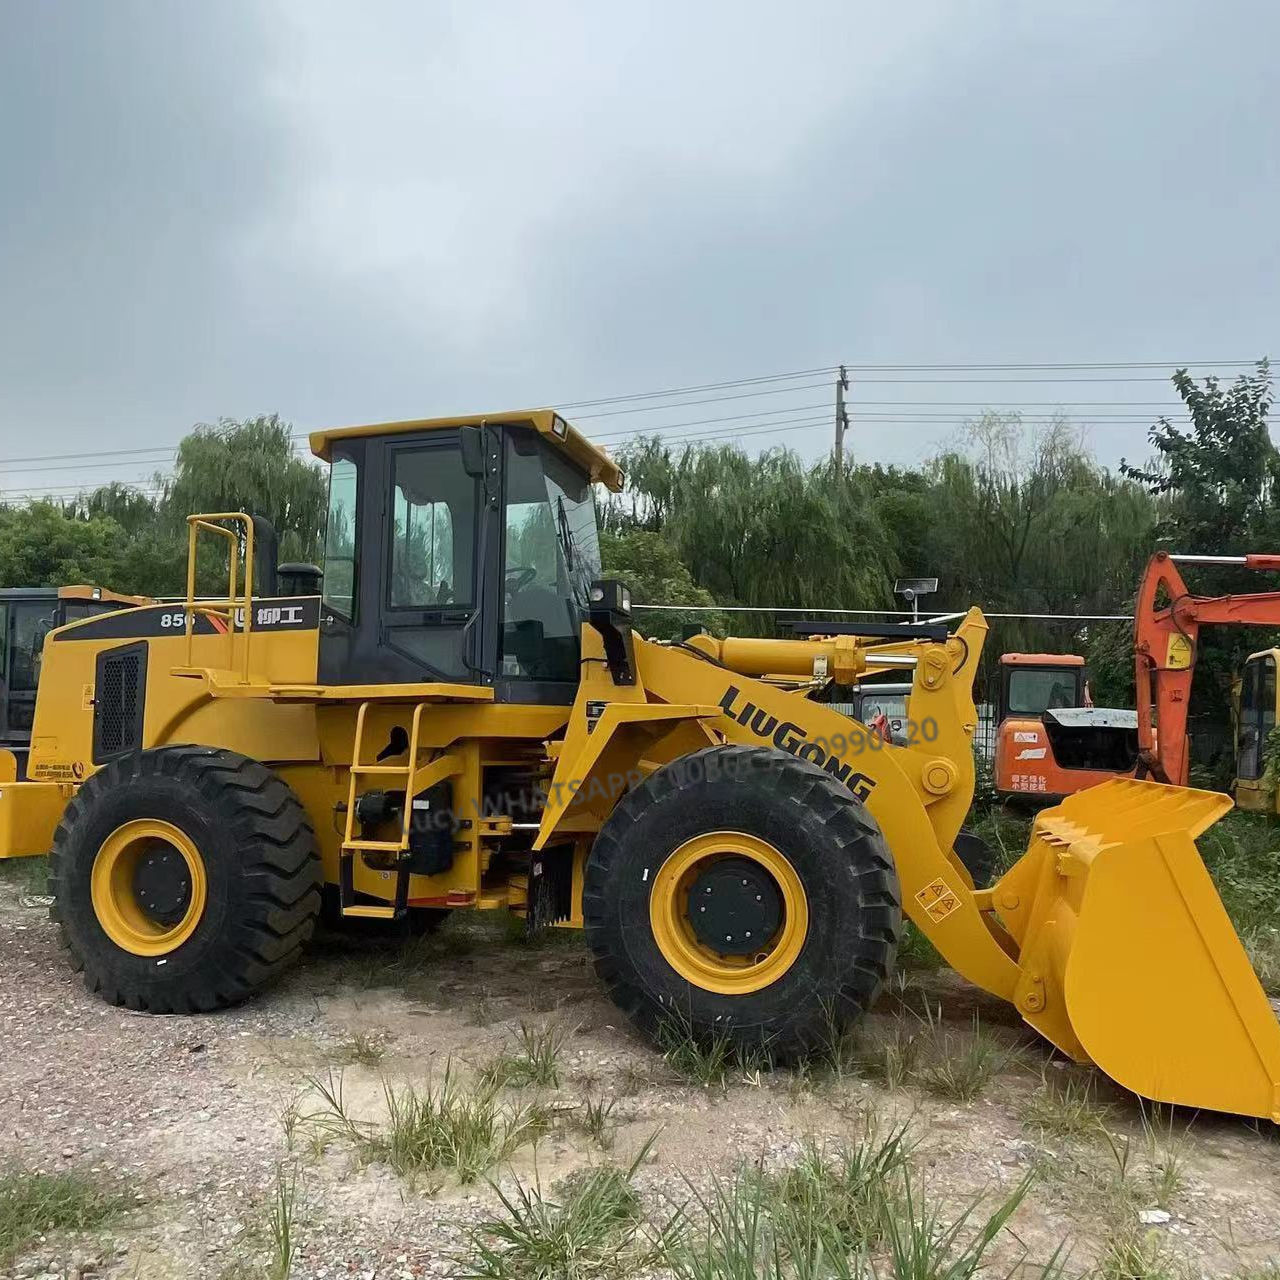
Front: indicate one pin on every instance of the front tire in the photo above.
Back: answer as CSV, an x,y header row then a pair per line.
x,y
742,892
184,879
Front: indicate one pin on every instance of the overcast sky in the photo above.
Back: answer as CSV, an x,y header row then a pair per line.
x,y
357,212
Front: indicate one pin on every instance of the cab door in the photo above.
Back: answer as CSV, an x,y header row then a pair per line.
x,y
1257,715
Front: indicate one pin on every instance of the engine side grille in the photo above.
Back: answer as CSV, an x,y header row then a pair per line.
x,y
119,699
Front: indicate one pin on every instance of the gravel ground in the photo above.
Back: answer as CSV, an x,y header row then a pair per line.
x,y
198,1115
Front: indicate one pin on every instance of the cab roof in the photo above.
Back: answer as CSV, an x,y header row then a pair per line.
x,y
1042,659
547,422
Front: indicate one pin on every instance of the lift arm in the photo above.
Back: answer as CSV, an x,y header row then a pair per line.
x,y
1166,631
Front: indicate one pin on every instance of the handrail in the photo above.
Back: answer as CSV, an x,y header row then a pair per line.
x,y
234,605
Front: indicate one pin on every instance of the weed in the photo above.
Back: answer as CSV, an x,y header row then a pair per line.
x,y
959,1066
290,1119
361,1048
597,1120
280,1220
1166,1155
636,1077
34,1204
1130,1253
734,1239
536,1061
705,1060
922,1245
1066,1106
888,1057
1262,943
837,1194
432,1129
593,1230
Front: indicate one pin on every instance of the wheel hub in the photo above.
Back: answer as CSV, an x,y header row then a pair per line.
x,y
735,907
162,884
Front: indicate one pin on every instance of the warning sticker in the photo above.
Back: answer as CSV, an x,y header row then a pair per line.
x,y
938,899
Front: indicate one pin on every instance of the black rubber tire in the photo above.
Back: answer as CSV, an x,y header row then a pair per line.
x,y
260,861
836,849
978,856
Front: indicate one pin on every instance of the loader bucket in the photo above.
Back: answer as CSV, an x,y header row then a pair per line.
x,y
1127,957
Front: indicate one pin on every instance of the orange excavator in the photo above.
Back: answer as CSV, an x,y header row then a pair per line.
x,y
1050,751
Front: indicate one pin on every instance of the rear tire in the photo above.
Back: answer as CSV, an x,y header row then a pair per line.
x,y
238,912
774,816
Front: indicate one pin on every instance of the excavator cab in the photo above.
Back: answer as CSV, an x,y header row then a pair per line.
x,y
1254,722
1051,741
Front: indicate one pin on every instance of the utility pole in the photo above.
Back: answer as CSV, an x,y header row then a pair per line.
x,y
842,419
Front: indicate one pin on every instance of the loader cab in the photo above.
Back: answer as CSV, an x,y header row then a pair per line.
x,y
1254,722
460,551
27,615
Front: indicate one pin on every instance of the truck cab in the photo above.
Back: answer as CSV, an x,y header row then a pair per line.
x,y
1050,740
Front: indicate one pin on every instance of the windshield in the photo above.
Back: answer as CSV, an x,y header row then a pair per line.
x,y
552,555
1035,690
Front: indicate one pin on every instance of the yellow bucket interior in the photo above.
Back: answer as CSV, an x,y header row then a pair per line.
x,y
1127,957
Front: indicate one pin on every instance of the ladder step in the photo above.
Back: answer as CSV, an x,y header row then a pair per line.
x,y
382,770
373,846
369,913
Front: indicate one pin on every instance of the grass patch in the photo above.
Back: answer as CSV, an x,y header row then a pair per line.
x,y
592,1228
34,1204
280,1223
706,1060
453,1128
853,1215
29,876
837,1193
536,1060
924,1244
361,1048
597,1121
958,1064
1066,1106
1132,1252
888,1055
1006,831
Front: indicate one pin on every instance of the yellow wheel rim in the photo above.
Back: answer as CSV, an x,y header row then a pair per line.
x,y
138,864
693,958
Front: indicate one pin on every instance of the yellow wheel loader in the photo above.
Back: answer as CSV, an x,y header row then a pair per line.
x,y
465,717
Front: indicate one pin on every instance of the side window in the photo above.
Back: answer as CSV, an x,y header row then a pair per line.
x,y
4,640
30,622
340,538
433,530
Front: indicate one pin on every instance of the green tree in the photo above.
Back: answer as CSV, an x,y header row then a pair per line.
x,y
41,545
249,466
652,568
1220,475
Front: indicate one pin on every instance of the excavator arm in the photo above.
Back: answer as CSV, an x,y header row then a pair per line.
x,y
1167,622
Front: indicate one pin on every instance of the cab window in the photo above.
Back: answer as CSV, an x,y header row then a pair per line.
x,y
551,557
340,538
1034,690
433,531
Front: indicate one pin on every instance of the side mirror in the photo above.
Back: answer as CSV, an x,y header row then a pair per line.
x,y
471,443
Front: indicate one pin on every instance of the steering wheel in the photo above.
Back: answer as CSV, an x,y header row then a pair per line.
x,y
522,576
